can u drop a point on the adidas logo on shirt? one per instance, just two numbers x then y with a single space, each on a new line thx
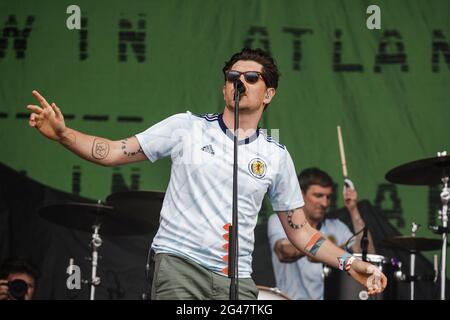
208 148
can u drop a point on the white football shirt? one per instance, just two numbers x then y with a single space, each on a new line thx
198 200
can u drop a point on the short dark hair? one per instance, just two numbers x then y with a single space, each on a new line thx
314 175
12 266
270 71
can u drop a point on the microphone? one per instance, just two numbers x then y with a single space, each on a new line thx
239 86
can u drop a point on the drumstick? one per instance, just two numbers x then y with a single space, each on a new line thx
342 152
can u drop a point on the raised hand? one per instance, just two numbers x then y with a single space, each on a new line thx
350 195
47 119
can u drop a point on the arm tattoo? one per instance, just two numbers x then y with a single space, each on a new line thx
314 243
292 224
100 149
129 153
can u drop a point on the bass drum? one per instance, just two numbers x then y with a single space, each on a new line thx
338 285
266 293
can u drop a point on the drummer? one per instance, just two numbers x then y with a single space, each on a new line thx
296 274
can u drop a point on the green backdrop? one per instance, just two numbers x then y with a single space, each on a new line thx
134 63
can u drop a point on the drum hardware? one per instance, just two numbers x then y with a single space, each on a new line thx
409 243
412 244
443 214
399 275
133 216
84 217
412 278
397 270
81 216
431 171
412 268
95 281
96 242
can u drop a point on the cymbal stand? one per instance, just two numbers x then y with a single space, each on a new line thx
96 242
414 228
443 215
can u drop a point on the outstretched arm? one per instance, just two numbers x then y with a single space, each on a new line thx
310 241
49 121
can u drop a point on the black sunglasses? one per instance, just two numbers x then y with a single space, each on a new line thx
250 76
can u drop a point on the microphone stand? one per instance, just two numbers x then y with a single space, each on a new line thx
233 248
148 276
364 244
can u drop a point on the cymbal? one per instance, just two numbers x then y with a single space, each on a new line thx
425 172
412 243
82 216
142 205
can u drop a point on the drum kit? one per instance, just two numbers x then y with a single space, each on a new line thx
123 214
426 172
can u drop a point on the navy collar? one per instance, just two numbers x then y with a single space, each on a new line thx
230 134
